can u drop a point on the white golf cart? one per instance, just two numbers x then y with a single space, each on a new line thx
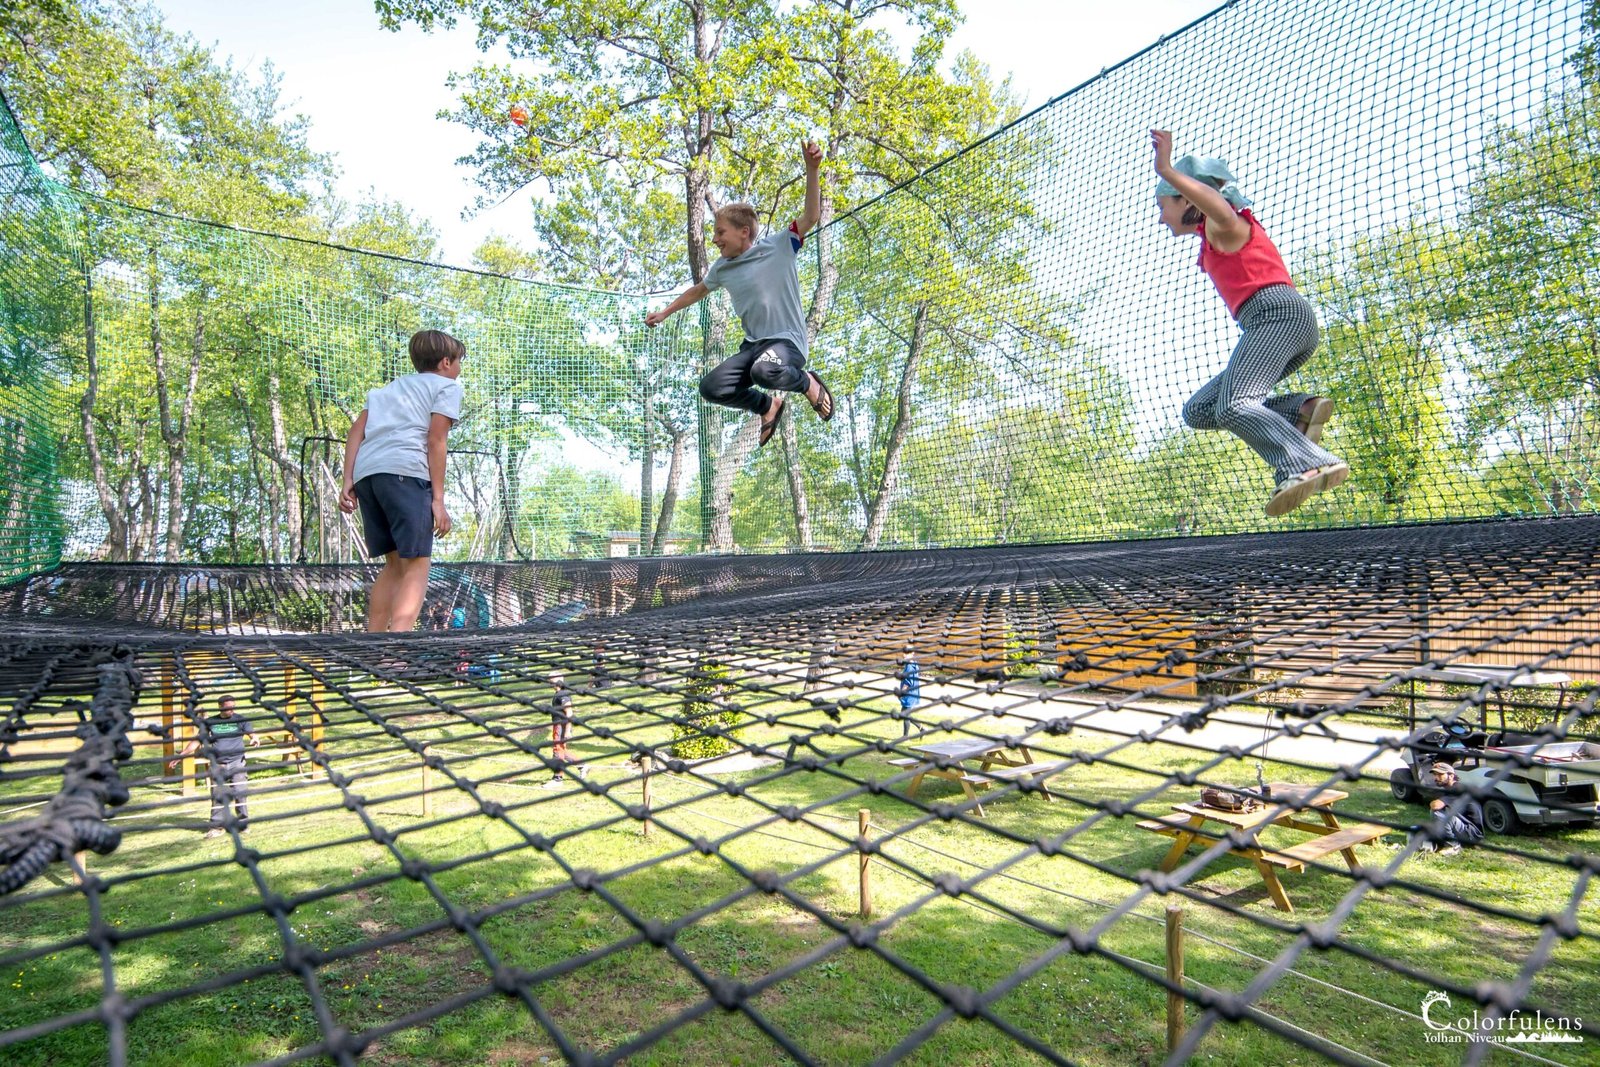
1519 778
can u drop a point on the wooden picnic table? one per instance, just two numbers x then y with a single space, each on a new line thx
999 761
1290 806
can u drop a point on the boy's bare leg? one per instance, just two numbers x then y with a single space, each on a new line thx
411 586
380 601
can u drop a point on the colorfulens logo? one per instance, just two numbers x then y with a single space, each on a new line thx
1516 1028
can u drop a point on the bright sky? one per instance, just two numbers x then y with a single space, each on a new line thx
372 95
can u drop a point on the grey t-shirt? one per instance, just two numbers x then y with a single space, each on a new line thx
398 415
764 286
227 734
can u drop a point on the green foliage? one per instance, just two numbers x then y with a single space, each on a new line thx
705 708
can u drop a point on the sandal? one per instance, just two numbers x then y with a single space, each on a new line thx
770 427
1316 411
823 404
1292 492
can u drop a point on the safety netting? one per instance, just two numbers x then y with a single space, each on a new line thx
765 839
1105 800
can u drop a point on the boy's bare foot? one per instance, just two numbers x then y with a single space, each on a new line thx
769 421
1314 413
819 396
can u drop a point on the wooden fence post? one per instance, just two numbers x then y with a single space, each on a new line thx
1175 1000
864 824
646 801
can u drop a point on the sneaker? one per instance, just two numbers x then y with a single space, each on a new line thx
581 770
1292 492
556 782
1313 414
1452 849
215 831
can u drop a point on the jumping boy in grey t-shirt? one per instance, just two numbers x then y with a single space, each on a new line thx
764 287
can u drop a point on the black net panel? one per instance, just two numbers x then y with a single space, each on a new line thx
413 883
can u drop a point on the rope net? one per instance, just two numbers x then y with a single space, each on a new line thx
414 883
842 807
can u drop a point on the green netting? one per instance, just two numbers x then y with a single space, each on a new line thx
39 303
1011 336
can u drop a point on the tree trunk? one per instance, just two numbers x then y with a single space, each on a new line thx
669 498
797 478
286 485
116 542
510 494
647 466
897 433
728 463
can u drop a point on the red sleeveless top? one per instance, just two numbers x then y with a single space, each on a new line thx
1240 275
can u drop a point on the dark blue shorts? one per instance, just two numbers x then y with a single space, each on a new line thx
396 515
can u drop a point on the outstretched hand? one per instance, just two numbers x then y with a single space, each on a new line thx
1161 141
656 318
813 154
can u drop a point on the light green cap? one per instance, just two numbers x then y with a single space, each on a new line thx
1207 169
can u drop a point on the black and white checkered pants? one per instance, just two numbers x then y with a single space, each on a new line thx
1279 333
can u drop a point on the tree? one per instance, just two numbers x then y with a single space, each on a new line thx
1531 307
1386 304
709 100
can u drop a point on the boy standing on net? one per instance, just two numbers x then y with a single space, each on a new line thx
763 284
394 471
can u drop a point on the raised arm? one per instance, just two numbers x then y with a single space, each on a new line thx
690 296
1225 229
813 210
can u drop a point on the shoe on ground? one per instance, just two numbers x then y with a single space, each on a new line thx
215 831
1292 492
1452 849
556 781
1314 414
581 771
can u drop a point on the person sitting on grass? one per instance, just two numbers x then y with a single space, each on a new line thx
1451 829
394 464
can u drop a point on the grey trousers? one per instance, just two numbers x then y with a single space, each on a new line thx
234 786
1278 334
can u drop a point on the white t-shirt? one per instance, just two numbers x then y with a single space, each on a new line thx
398 416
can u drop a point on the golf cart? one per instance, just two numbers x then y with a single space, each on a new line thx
1519 778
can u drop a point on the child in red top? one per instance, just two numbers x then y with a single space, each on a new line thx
1278 329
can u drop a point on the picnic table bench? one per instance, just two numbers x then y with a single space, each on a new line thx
1191 824
996 764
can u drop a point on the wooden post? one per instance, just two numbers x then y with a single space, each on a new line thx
864 824
646 801
427 791
179 732
1175 999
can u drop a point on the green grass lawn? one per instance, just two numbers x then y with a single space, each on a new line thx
190 920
